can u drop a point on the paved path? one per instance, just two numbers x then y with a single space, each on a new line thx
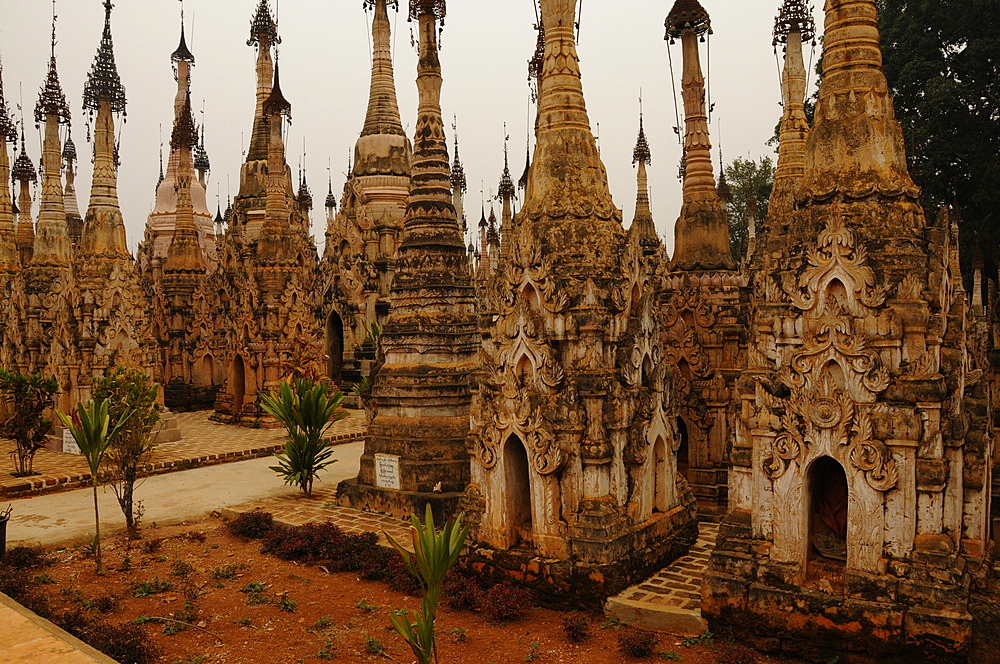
180 496
670 600
28 639
203 443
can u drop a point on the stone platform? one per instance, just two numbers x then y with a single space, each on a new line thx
670 600
26 638
203 443
297 510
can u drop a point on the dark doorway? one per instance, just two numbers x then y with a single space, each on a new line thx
239 385
335 348
517 490
828 510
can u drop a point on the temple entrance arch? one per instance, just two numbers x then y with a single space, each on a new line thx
205 375
238 380
517 492
335 347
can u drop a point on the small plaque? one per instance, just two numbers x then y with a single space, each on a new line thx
69 443
387 471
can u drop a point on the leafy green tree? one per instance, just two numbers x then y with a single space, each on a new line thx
26 397
434 553
306 409
93 433
750 184
129 391
942 59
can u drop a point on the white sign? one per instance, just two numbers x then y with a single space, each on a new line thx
387 471
69 443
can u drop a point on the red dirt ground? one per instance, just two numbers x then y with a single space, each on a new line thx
273 636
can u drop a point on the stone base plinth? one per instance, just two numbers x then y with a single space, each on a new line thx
351 493
575 583
872 618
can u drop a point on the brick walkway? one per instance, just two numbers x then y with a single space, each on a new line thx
296 510
202 443
670 600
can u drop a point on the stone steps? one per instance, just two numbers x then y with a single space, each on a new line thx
670 600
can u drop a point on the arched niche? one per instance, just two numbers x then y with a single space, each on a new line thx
517 493
335 347
238 380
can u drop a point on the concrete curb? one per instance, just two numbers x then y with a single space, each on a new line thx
42 484
36 635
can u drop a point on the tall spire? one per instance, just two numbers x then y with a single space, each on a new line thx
643 229
73 218
103 94
459 183
25 175
856 145
9 259
567 162
184 253
383 109
271 247
701 234
52 241
506 193
793 27
263 35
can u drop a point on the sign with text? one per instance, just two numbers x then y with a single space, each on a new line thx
387 471
69 443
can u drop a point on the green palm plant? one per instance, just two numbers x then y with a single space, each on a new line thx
306 409
434 553
93 433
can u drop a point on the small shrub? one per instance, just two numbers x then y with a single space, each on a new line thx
328 651
462 592
182 569
733 653
196 536
637 643
26 557
152 546
256 593
254 587
533 652
252 525
122 643
309 543
147 588
321 623
505 602
105 604
374 646
17 583
171 629
365 606
244 622
576 627
285 604
704 637
460 634
227 572
45 579
670 656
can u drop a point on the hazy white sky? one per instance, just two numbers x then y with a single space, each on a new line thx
325 64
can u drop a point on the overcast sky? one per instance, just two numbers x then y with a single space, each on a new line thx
325 65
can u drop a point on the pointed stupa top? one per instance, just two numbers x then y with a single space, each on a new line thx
69 149
24 169
523 181
641 152
687 14
383 109
305 194
331 198
51 99
506 187
276 103
8 130
263 26
201 160
856 145
103 83
458 179
492 236
183 53
184 134
795 16
219 219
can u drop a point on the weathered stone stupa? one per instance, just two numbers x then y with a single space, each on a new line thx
415 449
859 492
574 485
